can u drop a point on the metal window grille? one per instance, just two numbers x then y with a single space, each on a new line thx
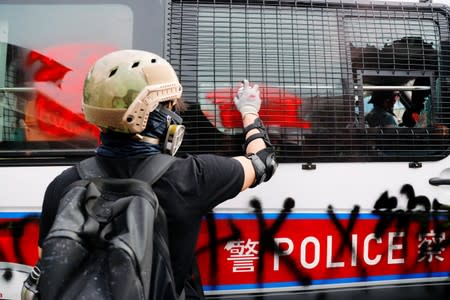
318 65
8 104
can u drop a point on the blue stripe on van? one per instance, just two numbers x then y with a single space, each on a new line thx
292 216
19 215
234 216
226 216
325 281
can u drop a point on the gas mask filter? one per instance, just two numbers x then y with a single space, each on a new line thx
175 131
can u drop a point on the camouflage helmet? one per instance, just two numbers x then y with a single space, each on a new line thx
123 87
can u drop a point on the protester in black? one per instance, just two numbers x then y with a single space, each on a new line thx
133 96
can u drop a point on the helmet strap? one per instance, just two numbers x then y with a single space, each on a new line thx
146 139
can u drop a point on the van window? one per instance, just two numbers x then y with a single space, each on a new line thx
45 53
318 65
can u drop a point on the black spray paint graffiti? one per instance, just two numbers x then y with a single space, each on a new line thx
16 230
266 239
345 234
214 243
418 210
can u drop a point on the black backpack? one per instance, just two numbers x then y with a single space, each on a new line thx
109 238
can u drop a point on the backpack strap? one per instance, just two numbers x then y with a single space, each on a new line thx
150 170
90 168
153 167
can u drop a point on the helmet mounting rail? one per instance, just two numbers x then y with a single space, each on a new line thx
148 99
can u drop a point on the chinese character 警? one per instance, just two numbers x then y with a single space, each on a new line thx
243 254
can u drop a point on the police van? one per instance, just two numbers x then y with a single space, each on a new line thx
353 211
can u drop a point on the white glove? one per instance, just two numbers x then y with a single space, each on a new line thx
247 100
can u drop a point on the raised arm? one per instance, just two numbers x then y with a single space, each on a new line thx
259 161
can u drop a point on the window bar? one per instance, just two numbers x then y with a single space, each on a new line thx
392 88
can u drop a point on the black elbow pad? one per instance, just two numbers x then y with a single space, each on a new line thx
264 163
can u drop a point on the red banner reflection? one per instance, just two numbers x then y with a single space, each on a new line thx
278 108
58 75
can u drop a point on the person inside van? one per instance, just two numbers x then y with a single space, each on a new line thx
382 113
